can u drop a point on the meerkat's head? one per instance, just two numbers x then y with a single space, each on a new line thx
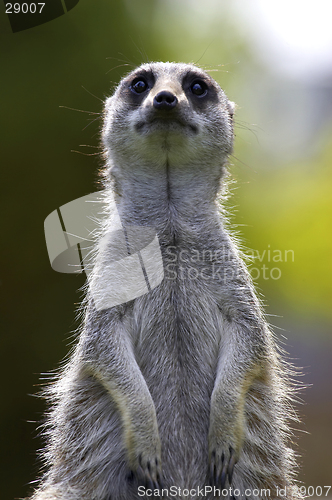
168 112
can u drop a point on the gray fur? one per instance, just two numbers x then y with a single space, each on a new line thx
165 386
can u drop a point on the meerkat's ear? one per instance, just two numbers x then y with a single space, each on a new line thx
231 108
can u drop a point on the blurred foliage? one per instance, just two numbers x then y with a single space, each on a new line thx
74 62
287 217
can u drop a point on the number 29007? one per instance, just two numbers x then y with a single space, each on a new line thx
24 8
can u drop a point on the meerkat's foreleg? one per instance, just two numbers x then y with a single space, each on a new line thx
117 370
236 372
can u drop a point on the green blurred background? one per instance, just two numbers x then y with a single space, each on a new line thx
281 203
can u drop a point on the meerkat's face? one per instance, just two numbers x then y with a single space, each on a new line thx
169 109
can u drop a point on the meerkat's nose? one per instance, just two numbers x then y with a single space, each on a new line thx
165 100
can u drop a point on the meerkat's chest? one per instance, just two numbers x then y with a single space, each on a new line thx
181 318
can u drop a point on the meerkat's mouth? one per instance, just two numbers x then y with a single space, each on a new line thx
164 123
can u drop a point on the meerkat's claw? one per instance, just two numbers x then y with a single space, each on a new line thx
221 468
213 471
231 463
159 483
223 476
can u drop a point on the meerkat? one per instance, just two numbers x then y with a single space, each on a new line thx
180 391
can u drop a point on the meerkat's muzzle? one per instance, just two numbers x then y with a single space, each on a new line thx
165 101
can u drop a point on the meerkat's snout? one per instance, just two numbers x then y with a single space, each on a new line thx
165 100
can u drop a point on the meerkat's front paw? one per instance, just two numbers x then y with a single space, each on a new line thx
221 467
147 468
149 472
225 442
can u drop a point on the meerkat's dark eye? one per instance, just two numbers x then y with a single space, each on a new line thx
199 88
139 85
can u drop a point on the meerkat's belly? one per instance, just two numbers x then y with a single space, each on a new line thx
177 345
